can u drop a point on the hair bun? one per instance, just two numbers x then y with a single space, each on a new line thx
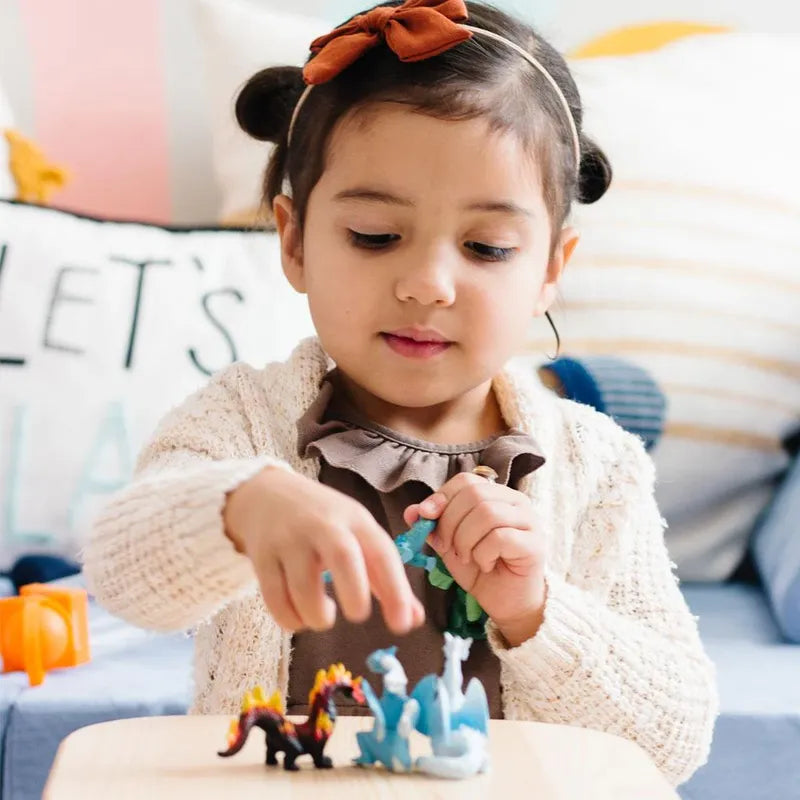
595 173
265 103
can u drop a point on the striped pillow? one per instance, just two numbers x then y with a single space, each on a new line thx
689 267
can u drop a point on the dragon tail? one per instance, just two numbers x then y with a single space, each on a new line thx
468 756
240 728
238 733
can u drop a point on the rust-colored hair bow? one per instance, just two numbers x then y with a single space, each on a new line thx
416 30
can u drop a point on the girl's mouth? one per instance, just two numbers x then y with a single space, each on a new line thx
414 348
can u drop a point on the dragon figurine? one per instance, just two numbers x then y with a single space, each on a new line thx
395 716
409 545
294 739
457 722
458 751
466 617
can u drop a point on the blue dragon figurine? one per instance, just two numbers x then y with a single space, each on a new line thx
395 715
466 617
409 545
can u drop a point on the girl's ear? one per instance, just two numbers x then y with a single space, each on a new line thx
291 242
567 241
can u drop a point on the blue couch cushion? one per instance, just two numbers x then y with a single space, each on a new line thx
776 551
11 687
132 673
756 747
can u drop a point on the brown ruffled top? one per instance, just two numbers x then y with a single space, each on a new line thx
387 471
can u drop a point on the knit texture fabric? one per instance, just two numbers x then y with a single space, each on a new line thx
623 390
618 649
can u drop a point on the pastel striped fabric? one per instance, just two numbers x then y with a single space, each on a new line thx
690 267
86 79
116 91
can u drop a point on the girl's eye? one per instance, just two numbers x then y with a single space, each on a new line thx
371 241
487 252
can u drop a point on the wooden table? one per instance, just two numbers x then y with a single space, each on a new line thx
175 757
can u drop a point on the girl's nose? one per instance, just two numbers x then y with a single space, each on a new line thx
429 280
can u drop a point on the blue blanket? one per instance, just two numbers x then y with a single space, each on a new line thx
132 673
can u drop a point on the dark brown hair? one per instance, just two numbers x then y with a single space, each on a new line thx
477 78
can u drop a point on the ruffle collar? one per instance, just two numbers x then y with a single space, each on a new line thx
334 431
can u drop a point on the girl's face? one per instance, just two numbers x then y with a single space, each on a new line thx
426 252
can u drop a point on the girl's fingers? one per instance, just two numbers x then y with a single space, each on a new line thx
517 548
345 560
468 493
387 578
275 592
483 518
411 514
417 614
433 506
307 591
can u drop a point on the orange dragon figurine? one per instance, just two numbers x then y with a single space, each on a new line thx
294 739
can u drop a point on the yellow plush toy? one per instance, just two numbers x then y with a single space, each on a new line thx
35 176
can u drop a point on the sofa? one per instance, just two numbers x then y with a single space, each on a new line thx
758 729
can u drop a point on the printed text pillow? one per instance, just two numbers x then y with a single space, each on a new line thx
103 327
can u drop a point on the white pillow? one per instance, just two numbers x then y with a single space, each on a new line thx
96 375
690 266
8 187
238 39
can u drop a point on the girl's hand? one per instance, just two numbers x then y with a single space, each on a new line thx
293 528
487 538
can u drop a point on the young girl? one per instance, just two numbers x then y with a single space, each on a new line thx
420 186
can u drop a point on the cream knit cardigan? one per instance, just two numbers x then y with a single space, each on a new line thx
618 650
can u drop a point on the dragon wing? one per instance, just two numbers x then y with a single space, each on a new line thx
425 694
375 707
475 711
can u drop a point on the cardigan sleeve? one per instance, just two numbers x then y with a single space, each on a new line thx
618 649
157 555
